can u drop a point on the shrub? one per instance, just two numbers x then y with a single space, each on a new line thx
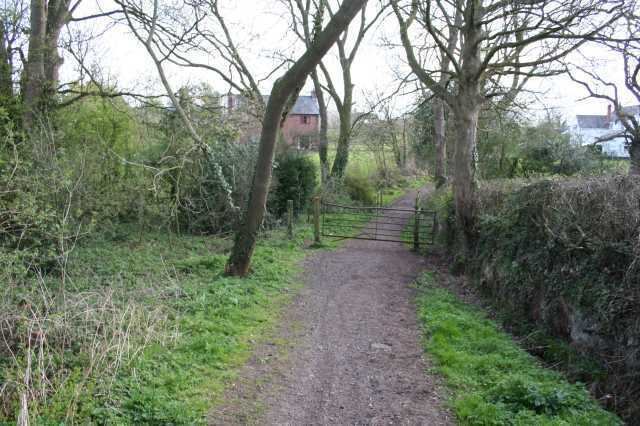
209 189
360 189
203 190
295 178
441 202
508 149
40 218
97 144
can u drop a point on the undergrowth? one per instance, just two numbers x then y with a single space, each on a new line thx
219 318
493 381
161 347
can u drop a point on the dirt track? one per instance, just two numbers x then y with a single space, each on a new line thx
355 356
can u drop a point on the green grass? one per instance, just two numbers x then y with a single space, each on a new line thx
390 195
362 161
219 317
212 322
493 381
363 165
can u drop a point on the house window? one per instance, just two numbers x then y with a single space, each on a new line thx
304 119
304 142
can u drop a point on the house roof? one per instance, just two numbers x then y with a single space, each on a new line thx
633 110
602 121
306 105
593 121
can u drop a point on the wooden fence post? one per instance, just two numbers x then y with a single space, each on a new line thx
416 226
290 218
316 219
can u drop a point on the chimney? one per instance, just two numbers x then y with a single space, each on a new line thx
609 113
313 94
230 102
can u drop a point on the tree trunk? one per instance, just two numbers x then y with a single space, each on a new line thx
466 109
439 105
43 62
344 109
464 170
35 75
397 153
323 147
6 84
240 260
404 143
52 58
440 124
634 158
342 150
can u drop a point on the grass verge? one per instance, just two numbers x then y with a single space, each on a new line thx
493 381
193 328
392 194
219 319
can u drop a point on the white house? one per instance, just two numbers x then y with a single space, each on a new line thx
591 128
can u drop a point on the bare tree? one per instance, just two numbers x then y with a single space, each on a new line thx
627 47
498 40
196 34
31 37
384 129
439 106
286 88
307 17
181 35
12 46
344 104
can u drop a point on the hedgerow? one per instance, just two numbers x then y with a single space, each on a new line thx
564 255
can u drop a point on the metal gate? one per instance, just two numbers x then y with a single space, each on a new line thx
410 226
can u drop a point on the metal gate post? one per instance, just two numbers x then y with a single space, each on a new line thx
290 218
416 226
316 219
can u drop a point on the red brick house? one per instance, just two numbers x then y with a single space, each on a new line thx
300 129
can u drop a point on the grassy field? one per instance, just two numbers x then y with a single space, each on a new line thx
492 380
362 161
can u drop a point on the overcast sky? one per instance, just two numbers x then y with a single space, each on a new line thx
261 27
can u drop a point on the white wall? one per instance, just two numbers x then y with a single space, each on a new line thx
613 148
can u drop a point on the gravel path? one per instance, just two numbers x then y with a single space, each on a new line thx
355 356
